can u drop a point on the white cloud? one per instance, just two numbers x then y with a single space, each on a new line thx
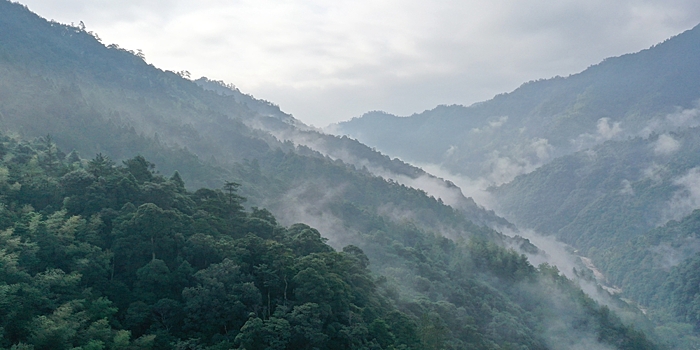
607 131
327 61
666 145
627 188
542 149
524 159
498 123
686 199
451 151
654 172
683 118
477 189
568 262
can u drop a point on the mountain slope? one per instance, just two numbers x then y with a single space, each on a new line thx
115 253
604 196
91 91
454 278
629 205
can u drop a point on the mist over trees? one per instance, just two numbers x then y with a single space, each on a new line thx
605 161
190 215
100 255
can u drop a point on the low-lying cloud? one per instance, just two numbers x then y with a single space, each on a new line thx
453 192
627 188
681 119
308 203
655 172
474 188
605 130
502 168
666 145
686 199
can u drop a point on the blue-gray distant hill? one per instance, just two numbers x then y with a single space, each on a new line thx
516 132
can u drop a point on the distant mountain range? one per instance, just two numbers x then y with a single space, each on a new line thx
654 90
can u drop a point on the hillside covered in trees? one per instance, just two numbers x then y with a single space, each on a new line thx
100 256
107 253
631 206
605 161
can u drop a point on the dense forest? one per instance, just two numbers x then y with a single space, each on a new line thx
631 206
100 256
120 257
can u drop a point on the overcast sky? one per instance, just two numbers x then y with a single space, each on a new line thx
326 61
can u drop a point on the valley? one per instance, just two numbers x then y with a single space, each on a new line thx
612 174
142 209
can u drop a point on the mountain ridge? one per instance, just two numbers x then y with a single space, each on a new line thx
544 119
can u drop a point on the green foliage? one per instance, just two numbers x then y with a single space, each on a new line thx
126 267
197 271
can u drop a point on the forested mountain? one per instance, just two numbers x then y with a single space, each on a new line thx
609 192
611 163
96 255
99 256
654 90
614 202
61 80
